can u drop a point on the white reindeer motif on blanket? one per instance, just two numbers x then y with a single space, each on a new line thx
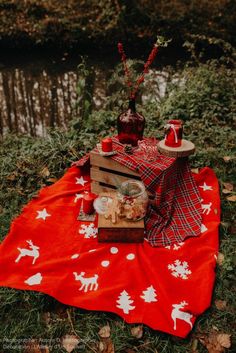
181 315
89 283
32 252
206 208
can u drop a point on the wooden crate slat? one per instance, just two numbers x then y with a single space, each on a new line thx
105 162
107 177
97 188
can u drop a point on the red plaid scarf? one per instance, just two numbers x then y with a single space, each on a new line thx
175 214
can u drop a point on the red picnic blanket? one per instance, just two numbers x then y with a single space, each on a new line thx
175 213
50 251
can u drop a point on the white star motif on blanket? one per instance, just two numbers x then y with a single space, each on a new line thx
180 269
42 214
89 231
205 187
80 181
77 197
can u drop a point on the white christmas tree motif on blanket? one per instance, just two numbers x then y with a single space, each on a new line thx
124 302
89 231
87 283
176 246
149 295
180 269
35 279
32 252
181 315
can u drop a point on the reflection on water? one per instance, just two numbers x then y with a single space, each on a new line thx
38 94
30 104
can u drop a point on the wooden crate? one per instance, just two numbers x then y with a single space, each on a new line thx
120 232
106 173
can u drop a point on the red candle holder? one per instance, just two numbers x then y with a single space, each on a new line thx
173 133
107 145
88 200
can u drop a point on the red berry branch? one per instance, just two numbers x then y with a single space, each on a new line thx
123 58
133 92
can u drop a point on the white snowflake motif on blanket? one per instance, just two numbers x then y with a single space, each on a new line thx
89 231
180 269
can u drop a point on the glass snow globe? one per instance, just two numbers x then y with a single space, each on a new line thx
132 200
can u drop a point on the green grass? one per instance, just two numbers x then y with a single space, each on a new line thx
30 315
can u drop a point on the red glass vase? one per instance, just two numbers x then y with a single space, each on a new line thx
130 125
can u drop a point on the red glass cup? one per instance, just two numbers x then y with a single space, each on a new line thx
88 200
107 145
173 133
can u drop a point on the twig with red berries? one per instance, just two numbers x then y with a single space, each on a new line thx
161 42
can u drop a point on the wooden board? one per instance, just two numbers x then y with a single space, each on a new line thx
121 232
186 149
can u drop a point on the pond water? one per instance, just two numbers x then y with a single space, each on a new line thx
37 92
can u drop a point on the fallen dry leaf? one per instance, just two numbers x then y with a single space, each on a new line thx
220 304
137 331
226 158
194 346
44 172
69 342
224 340
33 346
225 191
105 331
216 342
231 198
52 180
106 346
228 186
220 259
12 176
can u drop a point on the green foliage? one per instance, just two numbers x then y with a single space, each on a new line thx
207 92
102 23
